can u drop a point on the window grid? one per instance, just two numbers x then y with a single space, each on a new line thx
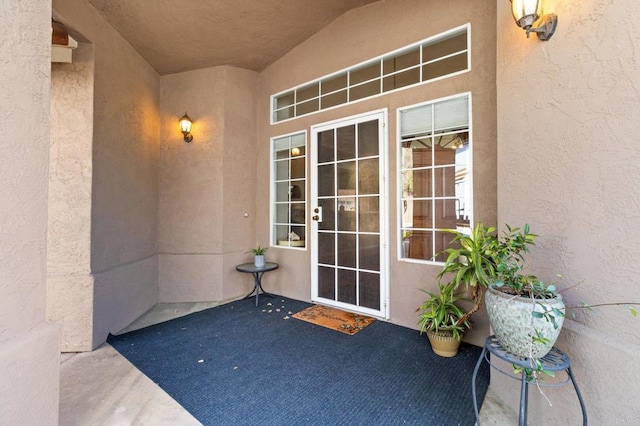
281 113
436 198
289 193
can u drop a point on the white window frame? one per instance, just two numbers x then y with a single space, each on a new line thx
399 141
273 183
430 40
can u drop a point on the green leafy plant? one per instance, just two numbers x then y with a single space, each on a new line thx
440 312
258 251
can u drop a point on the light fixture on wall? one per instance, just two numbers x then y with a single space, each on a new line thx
527 12
185 127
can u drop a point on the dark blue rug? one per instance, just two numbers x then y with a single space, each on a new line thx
241 365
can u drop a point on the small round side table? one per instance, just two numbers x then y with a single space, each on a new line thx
257 272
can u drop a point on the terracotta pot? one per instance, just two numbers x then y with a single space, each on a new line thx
514 325
443 343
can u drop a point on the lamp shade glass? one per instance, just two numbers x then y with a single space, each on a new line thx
185 124
526 12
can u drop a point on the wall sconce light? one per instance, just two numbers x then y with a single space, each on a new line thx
185 127
527 12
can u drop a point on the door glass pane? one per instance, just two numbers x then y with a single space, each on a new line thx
325 181
369 290
326 248
347 286
346 142
328 214
368 177
325 146
326 282
347 178
347 214
369 214
346 250
369 252
368 138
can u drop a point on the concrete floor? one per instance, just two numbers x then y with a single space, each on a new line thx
103 388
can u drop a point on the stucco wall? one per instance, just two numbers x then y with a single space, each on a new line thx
69 281
206 186
29 358
355 37
567 165
124 195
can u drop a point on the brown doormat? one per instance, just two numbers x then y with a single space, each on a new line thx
335 319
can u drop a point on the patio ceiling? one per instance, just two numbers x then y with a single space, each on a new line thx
181 35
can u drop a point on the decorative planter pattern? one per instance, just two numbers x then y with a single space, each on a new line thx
443 343
514 325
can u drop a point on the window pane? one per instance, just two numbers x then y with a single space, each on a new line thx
282 191
444 67
284 100
445 47
308 107
333 99
334 83
283 114
402 79
297 190
282 170
422 217
298 214
365 73
402 61
422 183
421 245
298 168
307 92
445 179
364 90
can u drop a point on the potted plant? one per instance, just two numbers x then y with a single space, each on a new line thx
443 320
486 262
258 253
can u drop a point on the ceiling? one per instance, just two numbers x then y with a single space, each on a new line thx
181 35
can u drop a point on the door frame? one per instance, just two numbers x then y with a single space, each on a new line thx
383 116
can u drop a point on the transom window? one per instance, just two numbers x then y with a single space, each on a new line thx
434 153
440 56
289 190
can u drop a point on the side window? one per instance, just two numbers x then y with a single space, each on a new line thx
289 190
434 155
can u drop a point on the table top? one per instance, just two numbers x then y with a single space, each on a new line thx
252 268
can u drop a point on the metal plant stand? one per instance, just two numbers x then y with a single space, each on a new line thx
554 361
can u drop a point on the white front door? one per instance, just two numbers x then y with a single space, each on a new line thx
348 203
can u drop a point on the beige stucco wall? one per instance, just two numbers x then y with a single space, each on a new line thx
29 358
567 164
124 190
206 186
69 281
355 37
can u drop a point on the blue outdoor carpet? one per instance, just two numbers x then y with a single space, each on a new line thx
236 364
